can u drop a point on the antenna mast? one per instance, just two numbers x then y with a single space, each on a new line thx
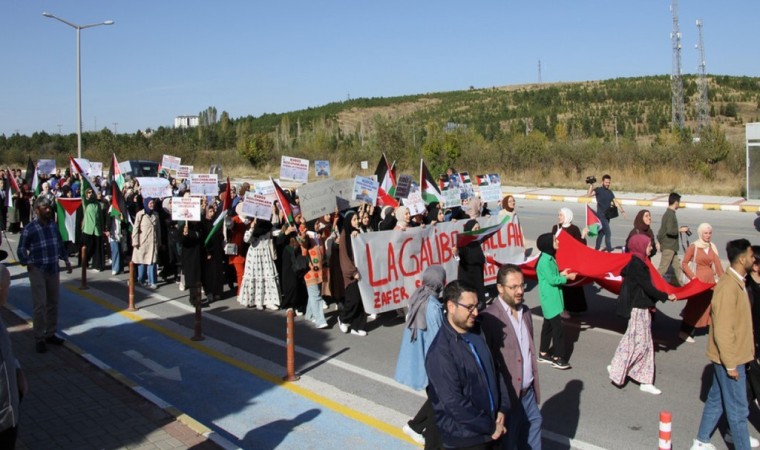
703 103
539 71
676 83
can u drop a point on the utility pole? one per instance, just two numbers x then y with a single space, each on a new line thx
676 83
703 103
539 71
114 127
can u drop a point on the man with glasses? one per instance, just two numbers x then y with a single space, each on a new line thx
507 325
468 394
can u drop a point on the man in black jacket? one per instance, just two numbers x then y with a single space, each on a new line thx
468 395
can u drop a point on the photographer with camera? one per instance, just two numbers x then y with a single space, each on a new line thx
668 236
606 208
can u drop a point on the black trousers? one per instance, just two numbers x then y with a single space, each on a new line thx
8 438
94 251
353 310
424 424
553 337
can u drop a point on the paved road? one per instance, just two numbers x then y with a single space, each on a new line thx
346 395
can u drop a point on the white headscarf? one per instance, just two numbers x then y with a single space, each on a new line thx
568 214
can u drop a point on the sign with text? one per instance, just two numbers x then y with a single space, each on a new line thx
46 166
154 187
169 162
96 169
395 260
186 209
489 186
344 190
451 198
322 168
257 206
403 184
294 169
204 184
84 164
265 188
184 171
365 190
465 187
364 165
317 199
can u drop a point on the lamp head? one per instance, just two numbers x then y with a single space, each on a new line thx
108 22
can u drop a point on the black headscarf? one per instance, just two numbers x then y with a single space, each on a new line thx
545 243
432 212
470 224
348 230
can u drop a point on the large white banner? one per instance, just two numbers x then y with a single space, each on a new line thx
391 263
154 187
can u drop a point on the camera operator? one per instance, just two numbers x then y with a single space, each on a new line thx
605 199
667 236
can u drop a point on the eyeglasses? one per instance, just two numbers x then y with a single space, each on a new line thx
469 308
516 287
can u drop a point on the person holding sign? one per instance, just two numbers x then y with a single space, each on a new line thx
213 257
260 288
191 239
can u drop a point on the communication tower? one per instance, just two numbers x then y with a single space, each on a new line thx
539 71
703 103
676 83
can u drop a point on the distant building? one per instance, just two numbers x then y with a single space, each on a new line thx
185 121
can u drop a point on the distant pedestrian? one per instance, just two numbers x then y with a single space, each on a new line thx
605 199
467 392
730 346
668 237
39 249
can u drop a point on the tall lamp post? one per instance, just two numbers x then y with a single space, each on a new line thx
79 28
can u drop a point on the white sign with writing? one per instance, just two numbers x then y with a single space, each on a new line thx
204 184
169 162
186 209
154 187
46 166
365 190
294 169
96 169
184 171
257 206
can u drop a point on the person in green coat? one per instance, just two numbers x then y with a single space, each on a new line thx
550 282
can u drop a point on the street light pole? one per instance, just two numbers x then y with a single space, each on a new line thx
79 28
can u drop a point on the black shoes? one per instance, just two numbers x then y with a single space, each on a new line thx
55 340
40 346
560 363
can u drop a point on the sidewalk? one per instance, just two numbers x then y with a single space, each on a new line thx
72 404
709 202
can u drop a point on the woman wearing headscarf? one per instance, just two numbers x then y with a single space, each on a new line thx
387 219
422 323
634 356
434 214
192 260
550 282
236 227
146 238
352 315
472 260
574 296
402 218
214 277
507 206
260 287
642 224
696 313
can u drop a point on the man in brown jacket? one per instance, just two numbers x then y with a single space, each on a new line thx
508 328
729 347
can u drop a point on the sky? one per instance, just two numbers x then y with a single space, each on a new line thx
167 58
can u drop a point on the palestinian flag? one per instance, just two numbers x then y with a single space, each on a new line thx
14 189
118 204
31 177
467 237
219 222
592 222
288 208
387 180
86 181
428 186
67 217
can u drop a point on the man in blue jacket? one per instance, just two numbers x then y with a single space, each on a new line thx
468 395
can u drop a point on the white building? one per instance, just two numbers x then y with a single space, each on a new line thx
185 121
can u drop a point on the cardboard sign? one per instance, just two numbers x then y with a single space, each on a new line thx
403 184
46 166
169 162
154 187
365 190
317 199
322 168
204 184
257 206
184 171
294 169
96 169
186 209
344 190
84 164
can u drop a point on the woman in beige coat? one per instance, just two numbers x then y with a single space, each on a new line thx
146 237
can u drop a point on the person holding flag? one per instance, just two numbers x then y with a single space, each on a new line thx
574 296
472 260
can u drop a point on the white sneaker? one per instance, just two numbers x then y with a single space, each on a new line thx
324 325
697 445
416 437
325 306
371 317
754 443
299 313
650 389
686 337
343 327
359 332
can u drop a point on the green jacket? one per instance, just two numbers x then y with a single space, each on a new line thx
92 222
668 233
550 284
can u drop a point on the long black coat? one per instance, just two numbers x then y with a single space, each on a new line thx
472 260
191 253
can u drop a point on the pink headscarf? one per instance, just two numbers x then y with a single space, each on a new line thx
637 245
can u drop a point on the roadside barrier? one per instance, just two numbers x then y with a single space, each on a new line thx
83 263
290 348
132 277
665 429
195 299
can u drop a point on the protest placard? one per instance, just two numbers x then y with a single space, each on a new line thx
403 184
414 200
294 169
186 209
344 190
204 184
365 190
46 166
451 198
169 162
257 206
184 171
322 168
96 169
465 186
489 187
84 164
154 187
317 199
265 188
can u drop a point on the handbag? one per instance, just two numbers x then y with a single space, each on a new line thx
611 212
230 249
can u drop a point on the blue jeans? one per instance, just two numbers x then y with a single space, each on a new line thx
524 427
729 396
151 269
314 306
115 256
605 231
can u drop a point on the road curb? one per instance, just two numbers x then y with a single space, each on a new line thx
636 202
